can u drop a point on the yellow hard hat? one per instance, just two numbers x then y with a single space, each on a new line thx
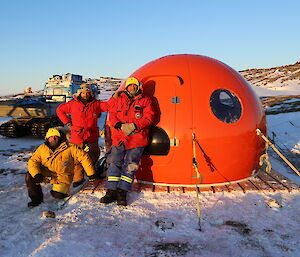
132 80
52 132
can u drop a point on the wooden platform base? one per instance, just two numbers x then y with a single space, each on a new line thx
263 181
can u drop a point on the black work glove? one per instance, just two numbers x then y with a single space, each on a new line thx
38 178
118 125
94 177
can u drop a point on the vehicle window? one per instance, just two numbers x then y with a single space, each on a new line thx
57 91
49 91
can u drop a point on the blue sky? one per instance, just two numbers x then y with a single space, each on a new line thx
114 38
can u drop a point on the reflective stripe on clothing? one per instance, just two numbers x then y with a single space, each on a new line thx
123 164
112 178
127 179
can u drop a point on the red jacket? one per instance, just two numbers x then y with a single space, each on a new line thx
138 110
84 118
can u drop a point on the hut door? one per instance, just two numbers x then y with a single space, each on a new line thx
162 89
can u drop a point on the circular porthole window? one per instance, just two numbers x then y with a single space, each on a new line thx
225 106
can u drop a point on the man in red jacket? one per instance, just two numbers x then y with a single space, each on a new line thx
83 123
130 117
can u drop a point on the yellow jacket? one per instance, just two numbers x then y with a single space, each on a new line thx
58 166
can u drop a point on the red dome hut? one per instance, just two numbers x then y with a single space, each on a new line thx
202 98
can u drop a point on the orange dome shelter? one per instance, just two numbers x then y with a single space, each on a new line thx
202 98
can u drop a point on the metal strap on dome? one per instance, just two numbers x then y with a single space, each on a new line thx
259 133
198 177
265 158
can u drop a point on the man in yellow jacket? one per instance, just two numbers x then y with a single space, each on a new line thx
53 162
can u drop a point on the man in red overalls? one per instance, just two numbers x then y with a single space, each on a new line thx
83 123
130 117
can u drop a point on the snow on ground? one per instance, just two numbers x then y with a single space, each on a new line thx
284 129
277 89
290 89
154 224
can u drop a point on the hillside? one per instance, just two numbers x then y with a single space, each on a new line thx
282 80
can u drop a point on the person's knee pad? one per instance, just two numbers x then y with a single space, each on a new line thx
132 168
58 195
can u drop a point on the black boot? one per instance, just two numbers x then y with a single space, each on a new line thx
110 196
33 204
34 191
58 195
78 183
121 199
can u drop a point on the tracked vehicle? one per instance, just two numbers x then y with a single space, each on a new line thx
35 114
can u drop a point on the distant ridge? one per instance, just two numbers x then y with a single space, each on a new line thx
280 76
